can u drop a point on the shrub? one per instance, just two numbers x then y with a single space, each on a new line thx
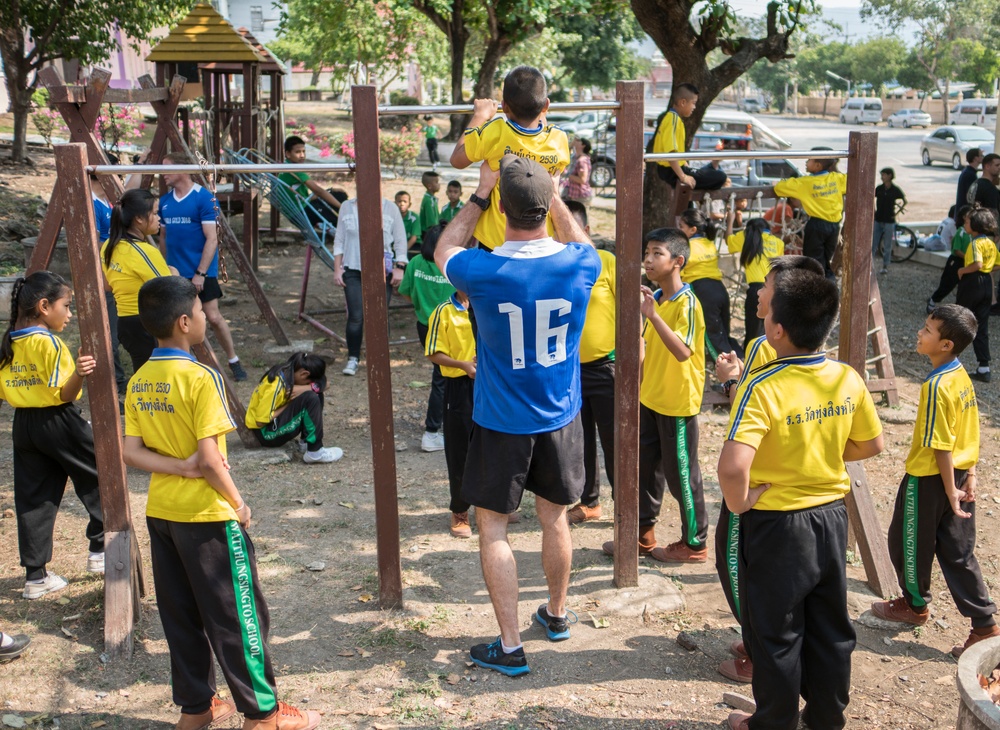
46 120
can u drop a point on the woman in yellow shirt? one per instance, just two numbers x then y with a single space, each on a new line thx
702 272
756 247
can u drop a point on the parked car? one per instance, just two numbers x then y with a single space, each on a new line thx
949 144
977 112
907 118
750 106
583 125
861 111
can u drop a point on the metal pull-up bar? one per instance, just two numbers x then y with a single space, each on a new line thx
751 155
561 106
195 169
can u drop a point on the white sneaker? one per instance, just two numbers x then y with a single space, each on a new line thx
49 584
326 455
432 441
351 368
95 563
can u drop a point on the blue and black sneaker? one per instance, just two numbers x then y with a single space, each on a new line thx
492 656
556 628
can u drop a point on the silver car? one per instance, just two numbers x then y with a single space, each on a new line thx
907 118
949 144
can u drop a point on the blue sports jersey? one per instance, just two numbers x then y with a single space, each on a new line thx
102 216
182 219
530 299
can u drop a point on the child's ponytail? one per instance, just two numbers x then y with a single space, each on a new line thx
753 241
24 300
313 364
133 204
6 344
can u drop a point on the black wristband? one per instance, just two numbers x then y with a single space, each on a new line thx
728 385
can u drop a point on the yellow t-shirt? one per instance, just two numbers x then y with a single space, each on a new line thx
547 146
798 413
41 366
268 396
947 420
670 137
759 353
449 332
982 249
758 268
670 387
133 263
821 195
598 338
703 263
173 402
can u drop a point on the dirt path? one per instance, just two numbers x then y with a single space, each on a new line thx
336 652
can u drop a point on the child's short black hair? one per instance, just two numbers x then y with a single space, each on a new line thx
579 211
430 241
888 171
452 184
982 221
162 301
400 194
961 215
955 323
781 264
686 91
828 165
429 175
525 94
293 141
805 305
673 239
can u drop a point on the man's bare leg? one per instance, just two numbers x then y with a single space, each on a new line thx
499 571
220 327
557 552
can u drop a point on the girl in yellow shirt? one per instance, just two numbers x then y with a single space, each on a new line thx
52 441
756 247
975 286
702 272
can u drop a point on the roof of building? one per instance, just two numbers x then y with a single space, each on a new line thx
204 36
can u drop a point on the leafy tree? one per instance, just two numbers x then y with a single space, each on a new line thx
877 61
946 33
687 33
981 65
594 50
67 29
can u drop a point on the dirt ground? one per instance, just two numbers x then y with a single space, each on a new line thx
336 652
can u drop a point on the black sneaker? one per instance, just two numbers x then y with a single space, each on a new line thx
557 629
981 377
492 656
239 374
14 650
931 304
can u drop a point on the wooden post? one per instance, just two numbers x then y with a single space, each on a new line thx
856 283
120 578
376 311
628 253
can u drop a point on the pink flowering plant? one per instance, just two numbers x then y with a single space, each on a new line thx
118 123
399 150
47 120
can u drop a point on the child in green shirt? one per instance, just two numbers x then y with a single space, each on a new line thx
430 216
454 193
431 137
959 243
411 223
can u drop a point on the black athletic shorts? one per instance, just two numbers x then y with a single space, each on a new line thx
210 290
500 466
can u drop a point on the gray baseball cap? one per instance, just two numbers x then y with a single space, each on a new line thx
525 189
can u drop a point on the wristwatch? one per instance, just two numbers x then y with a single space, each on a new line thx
483 203
728 385
399 265
200 273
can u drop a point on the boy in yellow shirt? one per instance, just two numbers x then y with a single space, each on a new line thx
935 506
671 136
524 133
204 568
821 194
793 523
673 381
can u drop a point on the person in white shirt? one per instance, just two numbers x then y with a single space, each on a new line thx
347 267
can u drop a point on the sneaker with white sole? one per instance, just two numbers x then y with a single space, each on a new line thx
351 368
326 455
431 441
95 563
49 584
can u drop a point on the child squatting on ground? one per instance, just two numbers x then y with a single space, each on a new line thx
288 403
936 501
52 441
204 566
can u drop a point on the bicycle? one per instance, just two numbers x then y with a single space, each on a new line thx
905 241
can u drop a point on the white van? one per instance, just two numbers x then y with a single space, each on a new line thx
977 112
861 111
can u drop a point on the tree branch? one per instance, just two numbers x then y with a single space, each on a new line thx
43 40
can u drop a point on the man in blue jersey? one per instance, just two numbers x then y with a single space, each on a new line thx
530 296
189 241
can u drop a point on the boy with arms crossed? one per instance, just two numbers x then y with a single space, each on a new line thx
793 523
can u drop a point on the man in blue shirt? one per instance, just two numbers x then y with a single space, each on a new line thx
530 297
189 241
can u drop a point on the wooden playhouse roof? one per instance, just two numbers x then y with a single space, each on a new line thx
204 36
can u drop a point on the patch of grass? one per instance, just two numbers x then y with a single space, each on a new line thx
384 637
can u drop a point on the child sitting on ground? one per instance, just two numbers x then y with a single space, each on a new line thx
523 133
411 223
204 567
756 247
288 402
52 441
975 285
425 286
454 204
793 523
936 500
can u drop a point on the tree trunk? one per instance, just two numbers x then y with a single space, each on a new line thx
496 49
946 100
20 104
314 79
459 36
16 76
